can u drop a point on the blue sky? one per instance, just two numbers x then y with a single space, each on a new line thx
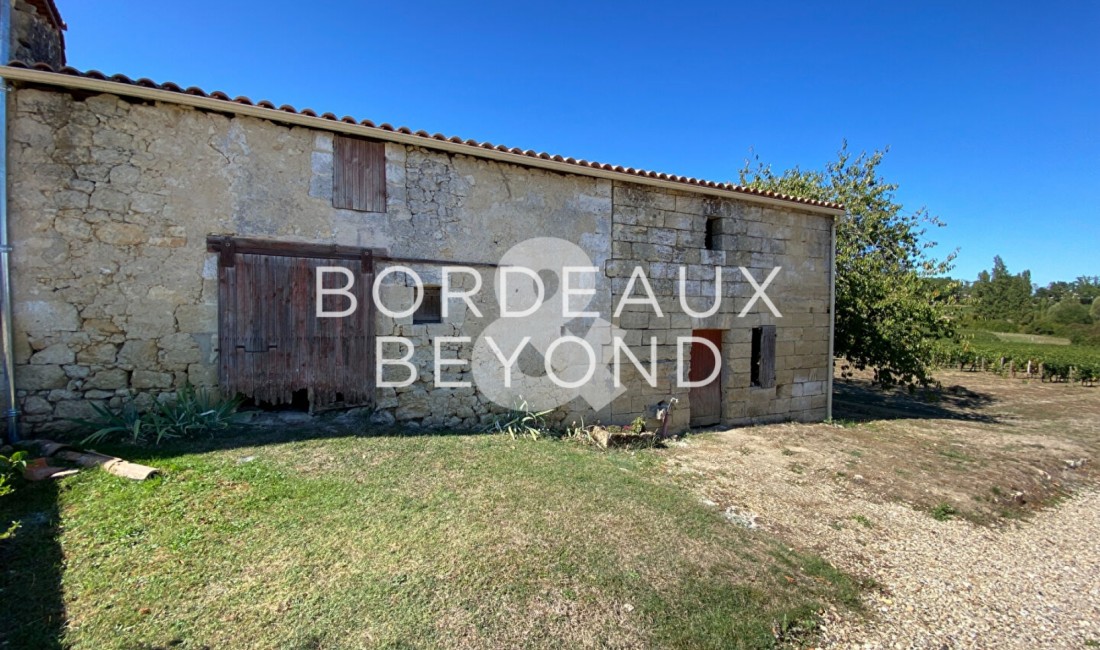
991 110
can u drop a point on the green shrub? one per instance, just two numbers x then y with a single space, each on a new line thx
10 467
1069 312
192 413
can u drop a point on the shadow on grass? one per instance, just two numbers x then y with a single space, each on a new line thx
30 569
859 400
32 605
261 433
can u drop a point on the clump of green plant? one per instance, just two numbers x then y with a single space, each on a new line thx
579 432
638 425
522 422
863 520
191 413
944 511
195 412
10 467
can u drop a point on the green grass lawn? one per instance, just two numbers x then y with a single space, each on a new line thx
394 542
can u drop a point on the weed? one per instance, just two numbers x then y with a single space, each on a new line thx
863 521
943 512
522 422
787 452
10 466
797 468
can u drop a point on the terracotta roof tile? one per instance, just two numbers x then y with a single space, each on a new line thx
629 171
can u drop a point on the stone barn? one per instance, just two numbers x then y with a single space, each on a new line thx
161 235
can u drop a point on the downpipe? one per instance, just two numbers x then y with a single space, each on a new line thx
11 411
832 323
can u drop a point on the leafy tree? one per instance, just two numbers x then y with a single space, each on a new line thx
1095 311
1000 295
1069 312
889 307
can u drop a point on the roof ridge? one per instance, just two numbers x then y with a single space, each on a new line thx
473 144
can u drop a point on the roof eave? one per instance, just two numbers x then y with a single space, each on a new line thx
149 92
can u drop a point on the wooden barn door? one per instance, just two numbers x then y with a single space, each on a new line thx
273 346
706 401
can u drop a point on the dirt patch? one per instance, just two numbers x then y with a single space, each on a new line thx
863 493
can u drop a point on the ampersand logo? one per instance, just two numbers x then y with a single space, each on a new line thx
546 349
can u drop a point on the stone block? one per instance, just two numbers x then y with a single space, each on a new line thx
138 354
56 354
75 409
40 377
109 200
40 316
35 405
108 379
146 379
99 353
197 319
154 321
120 234
202 375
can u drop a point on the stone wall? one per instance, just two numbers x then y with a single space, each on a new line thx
116 296
662 231
35 39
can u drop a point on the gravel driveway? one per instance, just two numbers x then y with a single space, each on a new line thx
956 585
936 584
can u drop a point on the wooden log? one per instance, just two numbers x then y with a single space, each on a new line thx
115 466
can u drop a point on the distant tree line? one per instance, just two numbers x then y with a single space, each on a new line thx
1002 301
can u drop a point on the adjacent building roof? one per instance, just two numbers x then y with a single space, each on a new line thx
174 93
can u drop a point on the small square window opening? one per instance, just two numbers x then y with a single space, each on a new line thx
710 240
431 307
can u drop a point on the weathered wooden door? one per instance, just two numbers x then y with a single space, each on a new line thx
706 400
273 345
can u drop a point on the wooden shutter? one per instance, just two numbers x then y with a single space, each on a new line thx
767 356
358 174
271 344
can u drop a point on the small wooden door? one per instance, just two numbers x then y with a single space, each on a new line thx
706 401
273 346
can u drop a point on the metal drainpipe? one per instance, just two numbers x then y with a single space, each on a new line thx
832 321
11 413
